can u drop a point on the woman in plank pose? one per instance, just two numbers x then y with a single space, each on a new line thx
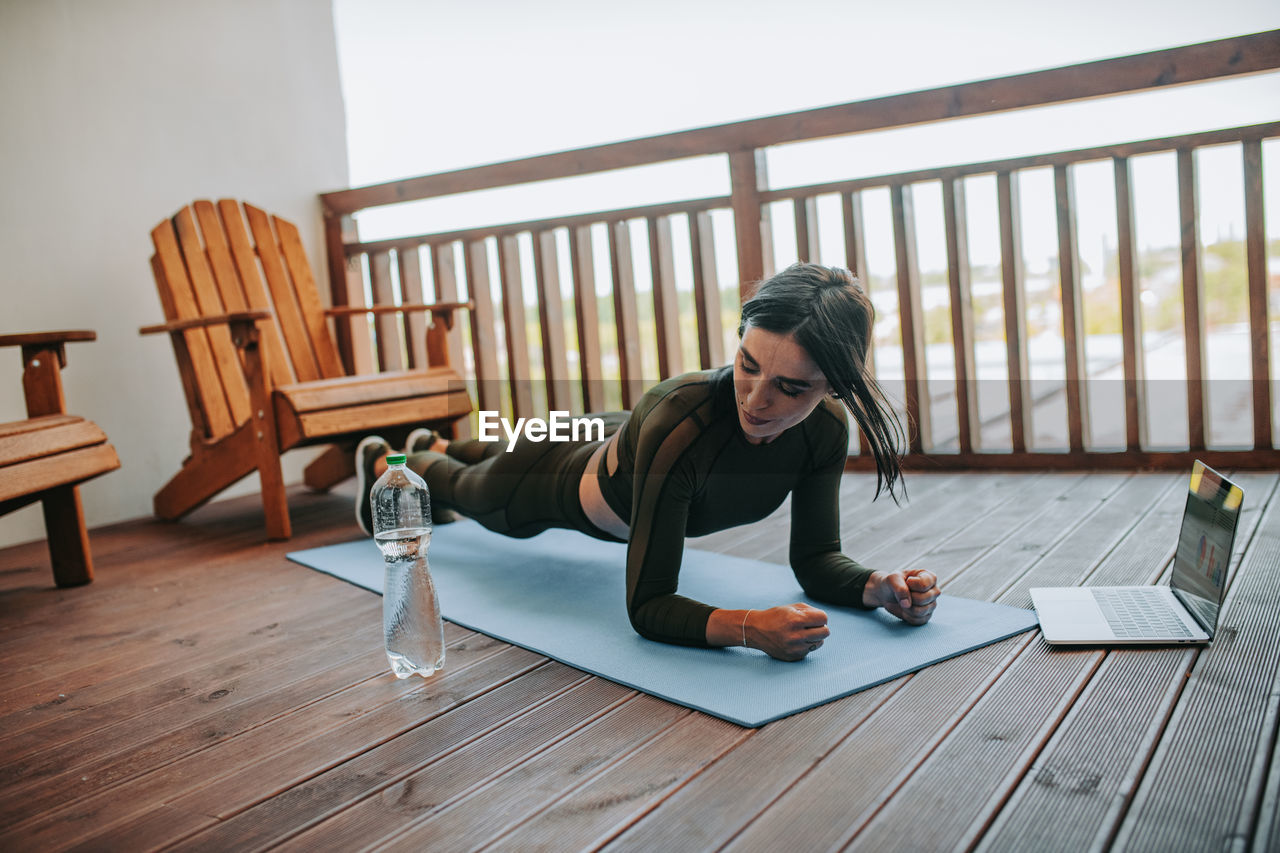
703 452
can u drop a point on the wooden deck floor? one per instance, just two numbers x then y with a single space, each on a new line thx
205 693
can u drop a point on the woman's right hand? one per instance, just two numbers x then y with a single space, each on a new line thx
788 632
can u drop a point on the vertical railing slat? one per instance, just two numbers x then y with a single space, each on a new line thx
1192 301
555 362
587 315
346 287
855 258
666 309
748 175
1072 309
1135 383
513 321
1015 315
624 312
1256 252
955 220
910 318
806 216
483 324
706 290
387 326
414 322
445 344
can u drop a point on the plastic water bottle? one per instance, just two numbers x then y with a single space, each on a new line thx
411 623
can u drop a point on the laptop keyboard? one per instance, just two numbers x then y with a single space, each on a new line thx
1138 613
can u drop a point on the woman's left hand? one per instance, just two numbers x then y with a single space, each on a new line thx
911 595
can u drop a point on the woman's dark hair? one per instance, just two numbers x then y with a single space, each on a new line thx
828 313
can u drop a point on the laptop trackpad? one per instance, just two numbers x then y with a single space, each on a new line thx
1070 613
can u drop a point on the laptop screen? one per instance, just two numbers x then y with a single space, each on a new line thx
1204 545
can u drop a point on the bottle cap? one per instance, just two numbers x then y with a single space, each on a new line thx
396 459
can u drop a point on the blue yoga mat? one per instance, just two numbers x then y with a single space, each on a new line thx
562 594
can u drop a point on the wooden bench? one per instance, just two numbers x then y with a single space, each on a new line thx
45 457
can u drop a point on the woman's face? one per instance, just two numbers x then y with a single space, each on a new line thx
775 382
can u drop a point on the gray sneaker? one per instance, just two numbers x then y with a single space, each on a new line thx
370 449
419 440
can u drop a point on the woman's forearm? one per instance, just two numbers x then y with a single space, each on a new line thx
728 627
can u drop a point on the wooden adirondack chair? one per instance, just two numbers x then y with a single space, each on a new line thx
260 367
45 457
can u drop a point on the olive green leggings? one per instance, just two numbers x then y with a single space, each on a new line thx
518 493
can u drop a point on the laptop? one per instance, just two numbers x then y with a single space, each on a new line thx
1186 611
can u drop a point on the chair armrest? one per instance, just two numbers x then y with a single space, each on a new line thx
233 318
45 338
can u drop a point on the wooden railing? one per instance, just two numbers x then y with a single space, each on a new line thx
553 375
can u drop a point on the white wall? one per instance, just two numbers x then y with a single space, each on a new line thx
114 115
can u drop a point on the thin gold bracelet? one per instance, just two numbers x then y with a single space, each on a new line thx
744 627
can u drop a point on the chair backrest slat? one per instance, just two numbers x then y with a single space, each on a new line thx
292 325
179 303
210 302
227 216
304 286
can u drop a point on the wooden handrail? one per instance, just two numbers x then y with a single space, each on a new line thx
1213 60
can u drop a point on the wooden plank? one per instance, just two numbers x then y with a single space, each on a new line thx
37 424
387 327
42 392
854 185
526 789
483 324
1090 461
293 326
1015 310
1095 757
748 175
190 710
417 772
911 320
1222 732
806 220
228 221
855 255
587 815
513 322
1192 301
46 436
587 316
555 363
955 221
49 472
444 271
346 288
218 254
624 313
308 296
666 306
706 291
346 422
1256 254
1073 340
207 301
282 753
414 323
1228 57
1135 382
